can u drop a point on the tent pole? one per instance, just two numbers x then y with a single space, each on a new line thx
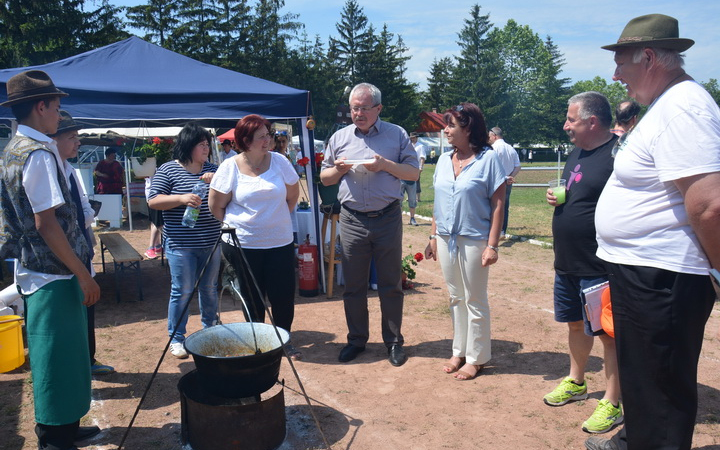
127 193
307 143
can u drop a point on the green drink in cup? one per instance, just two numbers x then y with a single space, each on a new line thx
557 187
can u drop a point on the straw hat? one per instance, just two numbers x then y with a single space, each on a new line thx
67 123
30 85
652 30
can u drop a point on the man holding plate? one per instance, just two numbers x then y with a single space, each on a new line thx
368 159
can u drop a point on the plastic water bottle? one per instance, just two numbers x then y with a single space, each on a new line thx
191 214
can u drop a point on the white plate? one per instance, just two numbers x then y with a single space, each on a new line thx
359 161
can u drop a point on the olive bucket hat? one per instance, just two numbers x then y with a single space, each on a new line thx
67 123
652 30
30 85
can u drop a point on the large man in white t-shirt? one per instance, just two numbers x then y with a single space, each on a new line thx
657 229
511 165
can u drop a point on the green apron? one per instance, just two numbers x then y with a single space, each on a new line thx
56 324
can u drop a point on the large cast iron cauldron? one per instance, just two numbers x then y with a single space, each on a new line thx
228 361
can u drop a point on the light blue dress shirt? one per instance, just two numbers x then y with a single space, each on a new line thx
462 204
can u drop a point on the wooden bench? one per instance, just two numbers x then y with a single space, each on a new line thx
124 257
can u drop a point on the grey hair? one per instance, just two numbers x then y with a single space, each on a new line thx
666 58
593 103
369 88
497 132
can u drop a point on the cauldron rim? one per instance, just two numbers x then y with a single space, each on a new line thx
260 328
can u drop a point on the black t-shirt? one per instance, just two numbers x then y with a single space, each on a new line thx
573 227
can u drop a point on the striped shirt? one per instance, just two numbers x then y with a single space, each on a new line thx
172 179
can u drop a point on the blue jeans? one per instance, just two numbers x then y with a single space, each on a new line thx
185 267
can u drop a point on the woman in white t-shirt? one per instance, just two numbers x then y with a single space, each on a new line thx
254 192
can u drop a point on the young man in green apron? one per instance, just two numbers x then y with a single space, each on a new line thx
40 229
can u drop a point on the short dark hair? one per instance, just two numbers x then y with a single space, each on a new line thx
246 128
110 151
22 110
191 135
469 115
593 103
623 114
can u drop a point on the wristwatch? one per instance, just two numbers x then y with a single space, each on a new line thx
494 248
433 236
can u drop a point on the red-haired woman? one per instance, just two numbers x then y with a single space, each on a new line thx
254 192
467 219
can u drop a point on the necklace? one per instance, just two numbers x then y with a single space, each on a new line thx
253 166
462 162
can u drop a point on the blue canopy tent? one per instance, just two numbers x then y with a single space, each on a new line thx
135 83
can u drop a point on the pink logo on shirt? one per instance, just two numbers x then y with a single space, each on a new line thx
575 176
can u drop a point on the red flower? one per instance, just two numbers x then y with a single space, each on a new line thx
303 161
319 157
156 140
418 256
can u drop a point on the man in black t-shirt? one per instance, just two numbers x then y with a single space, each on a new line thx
576 266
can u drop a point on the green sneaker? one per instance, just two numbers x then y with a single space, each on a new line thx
604 419
566 391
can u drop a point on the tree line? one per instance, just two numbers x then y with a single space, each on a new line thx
512 73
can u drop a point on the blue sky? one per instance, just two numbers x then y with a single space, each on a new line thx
429 28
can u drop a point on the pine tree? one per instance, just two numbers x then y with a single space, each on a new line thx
195 34
157 18
385 67
38 32
103 26
477 76
354 41
272 35
233 34
439 95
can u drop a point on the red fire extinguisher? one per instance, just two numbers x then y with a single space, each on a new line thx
308 268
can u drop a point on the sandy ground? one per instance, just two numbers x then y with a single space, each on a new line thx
366 404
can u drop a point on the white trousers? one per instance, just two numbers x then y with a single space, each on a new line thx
467 280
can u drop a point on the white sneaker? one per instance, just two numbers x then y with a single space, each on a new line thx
178 350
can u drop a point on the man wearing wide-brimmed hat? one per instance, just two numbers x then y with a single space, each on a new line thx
656 224
40 229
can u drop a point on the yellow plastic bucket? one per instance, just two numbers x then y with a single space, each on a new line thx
12 352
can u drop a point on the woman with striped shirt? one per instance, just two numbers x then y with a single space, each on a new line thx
187 249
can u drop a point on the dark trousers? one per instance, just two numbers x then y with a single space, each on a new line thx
508 189
274 271
56 437
659 319
364 238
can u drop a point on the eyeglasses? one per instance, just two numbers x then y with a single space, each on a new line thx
459 108
281 133
357 109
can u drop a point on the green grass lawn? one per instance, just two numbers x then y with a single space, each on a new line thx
530 215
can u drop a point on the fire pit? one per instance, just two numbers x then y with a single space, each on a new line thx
237 359
210 422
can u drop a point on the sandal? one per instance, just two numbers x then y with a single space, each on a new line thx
449 367
468 377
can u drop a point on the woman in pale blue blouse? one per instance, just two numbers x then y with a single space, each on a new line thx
467 220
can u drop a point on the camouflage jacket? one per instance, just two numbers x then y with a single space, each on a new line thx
19 237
